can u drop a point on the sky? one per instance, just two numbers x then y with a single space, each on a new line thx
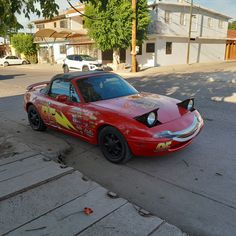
227 7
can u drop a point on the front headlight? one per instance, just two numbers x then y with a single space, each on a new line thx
151 119
190 105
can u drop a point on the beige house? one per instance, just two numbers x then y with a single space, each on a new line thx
56 49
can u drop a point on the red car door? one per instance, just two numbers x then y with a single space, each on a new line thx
65 110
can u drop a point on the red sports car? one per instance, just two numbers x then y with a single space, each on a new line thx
102 108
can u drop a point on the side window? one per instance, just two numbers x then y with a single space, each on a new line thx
150 47
74 97
8 57
70 57
60 87
168 48
77 58
167 17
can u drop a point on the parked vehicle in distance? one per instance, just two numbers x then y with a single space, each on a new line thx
80 63
12 60
103 108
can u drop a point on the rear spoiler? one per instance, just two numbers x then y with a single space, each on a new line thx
40 84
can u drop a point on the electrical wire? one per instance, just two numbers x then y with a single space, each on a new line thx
89 17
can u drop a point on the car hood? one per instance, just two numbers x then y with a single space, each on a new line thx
142 103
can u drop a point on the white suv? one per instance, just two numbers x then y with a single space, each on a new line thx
81 63
12 60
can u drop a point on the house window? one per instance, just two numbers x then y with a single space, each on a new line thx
62 49
194 22
209 22
168 48
64 24
40 26
182 19
55 24
167 17
221 24
150 47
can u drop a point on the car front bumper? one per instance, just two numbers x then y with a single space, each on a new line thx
167 141
95 67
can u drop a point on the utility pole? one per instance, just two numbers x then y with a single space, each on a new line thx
190 31
134 32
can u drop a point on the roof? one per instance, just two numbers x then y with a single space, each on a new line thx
58 33
77 74
195 6
71 10
59 17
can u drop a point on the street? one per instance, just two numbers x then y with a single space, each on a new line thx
193 189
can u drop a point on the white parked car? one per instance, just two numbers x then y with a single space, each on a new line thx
12 60
80 63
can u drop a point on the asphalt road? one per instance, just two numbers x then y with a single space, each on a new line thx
194 189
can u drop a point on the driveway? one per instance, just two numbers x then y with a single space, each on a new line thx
195 188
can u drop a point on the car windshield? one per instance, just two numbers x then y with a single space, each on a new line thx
87 58
104 87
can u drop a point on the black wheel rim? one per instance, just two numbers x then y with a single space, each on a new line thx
34 118
112 145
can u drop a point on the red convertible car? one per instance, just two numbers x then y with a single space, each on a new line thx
102 108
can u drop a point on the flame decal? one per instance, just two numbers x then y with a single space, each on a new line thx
63 121
60 118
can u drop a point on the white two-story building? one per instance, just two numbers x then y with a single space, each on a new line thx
169 30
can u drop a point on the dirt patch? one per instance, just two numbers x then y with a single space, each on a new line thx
6 148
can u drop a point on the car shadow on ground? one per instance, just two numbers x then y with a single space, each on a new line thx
7 77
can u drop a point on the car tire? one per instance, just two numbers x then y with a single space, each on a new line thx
85 68
24 62
6 63
66 69
114 145
35 120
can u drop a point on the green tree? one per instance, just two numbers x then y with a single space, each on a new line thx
24 43
232 25
9 8
30 27
111 26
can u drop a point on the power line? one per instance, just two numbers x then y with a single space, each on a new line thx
91 18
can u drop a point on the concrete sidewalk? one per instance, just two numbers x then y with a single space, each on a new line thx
41 197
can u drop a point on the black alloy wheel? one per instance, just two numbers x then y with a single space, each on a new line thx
35 120
113 145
